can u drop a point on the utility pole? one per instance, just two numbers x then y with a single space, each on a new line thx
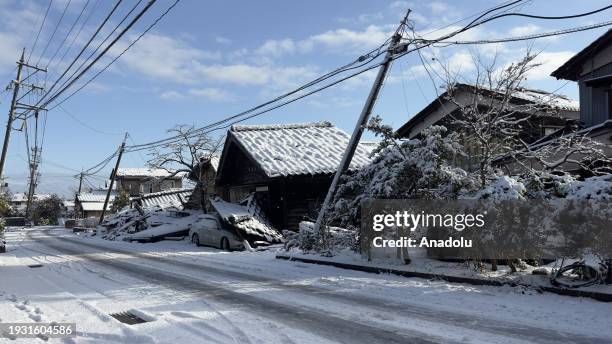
9 123
16 84
113 175
80 183
33 168
360 126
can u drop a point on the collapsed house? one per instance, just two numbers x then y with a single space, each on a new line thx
287 169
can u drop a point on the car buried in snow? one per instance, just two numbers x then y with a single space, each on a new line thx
209 230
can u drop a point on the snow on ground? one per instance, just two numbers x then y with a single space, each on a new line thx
420 263
203 295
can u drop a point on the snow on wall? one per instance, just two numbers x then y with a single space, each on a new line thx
298 149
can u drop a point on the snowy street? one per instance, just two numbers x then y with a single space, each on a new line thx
195 294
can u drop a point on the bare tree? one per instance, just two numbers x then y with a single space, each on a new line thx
489 118
186 153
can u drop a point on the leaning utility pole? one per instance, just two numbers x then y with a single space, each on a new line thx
361 124
112 178
16 84
9 123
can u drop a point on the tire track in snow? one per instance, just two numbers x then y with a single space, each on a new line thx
482 324
316 321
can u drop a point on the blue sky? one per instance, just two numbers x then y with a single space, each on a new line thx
210 59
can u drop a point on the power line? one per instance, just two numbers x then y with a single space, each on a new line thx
88 58
42 24
110 45
81 52
77 120
74 37
530 37
67 34
54 31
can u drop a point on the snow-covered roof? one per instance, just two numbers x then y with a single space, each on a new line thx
94 197
298 149
167 198
147 172
546 98
22 197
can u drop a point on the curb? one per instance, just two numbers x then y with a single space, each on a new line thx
603 297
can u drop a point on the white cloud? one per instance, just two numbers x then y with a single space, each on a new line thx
371 37
222 40
213 94
398 5
171 95
549 62
438 7
277 47
164 57
524 30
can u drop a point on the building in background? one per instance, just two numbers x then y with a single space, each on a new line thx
89 204
137 181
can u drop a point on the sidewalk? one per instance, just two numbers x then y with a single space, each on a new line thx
537 283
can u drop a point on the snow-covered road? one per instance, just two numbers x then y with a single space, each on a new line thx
193 295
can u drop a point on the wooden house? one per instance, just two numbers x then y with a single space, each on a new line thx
288 168
591 68
547 114
137 181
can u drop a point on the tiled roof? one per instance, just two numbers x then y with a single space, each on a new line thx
167 198
146 172
94 197
298 149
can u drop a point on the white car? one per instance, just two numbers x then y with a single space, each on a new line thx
208 230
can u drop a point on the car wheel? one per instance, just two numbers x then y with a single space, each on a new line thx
195 239
225 246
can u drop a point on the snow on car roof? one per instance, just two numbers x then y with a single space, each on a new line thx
298 149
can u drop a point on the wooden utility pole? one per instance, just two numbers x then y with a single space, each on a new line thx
359 127
9 123
80 183
33 168
17 83
112 178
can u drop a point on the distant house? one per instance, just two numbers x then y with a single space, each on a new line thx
548 112
89 204
288 168
136 181
19 201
